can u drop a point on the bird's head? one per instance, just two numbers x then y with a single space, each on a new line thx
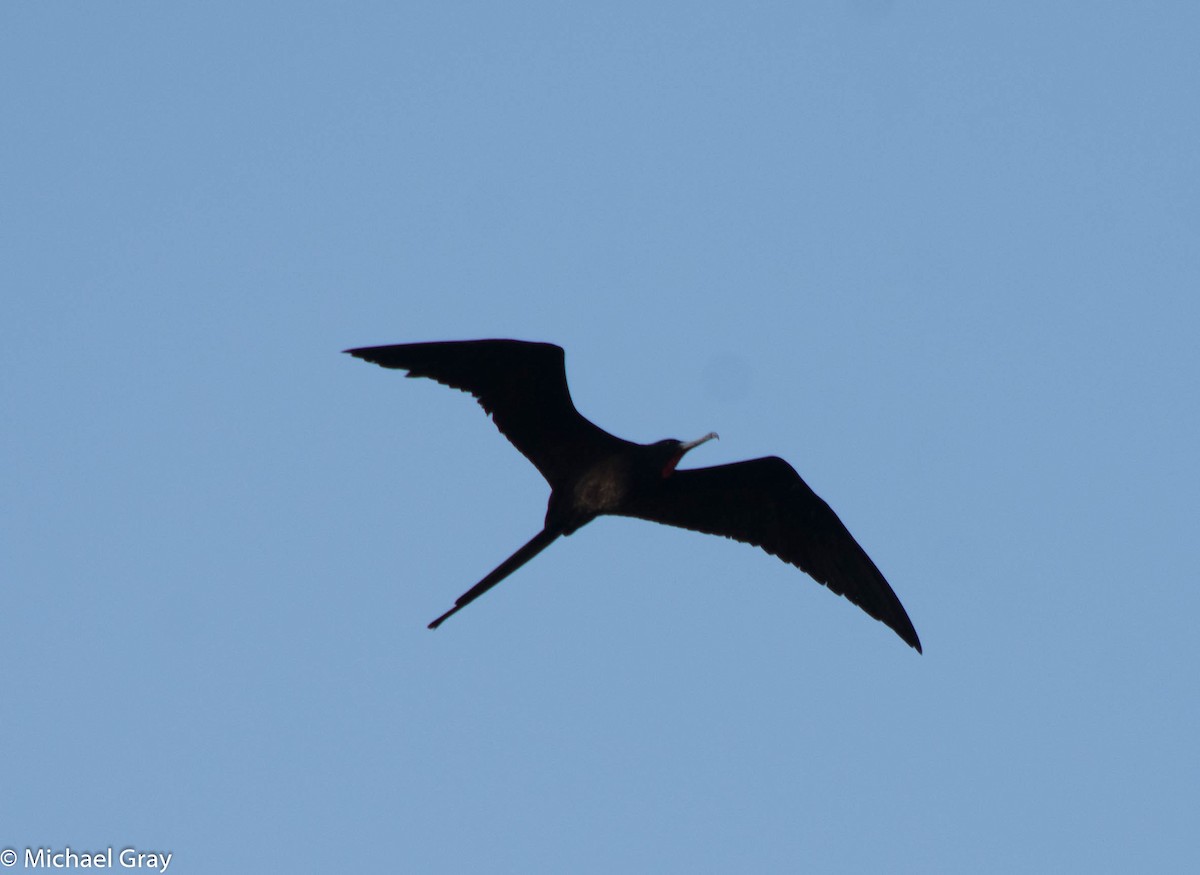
673 451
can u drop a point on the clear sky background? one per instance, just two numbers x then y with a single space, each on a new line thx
946 261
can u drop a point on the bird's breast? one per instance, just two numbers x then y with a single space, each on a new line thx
602 489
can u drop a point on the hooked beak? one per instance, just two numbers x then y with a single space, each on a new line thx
669 468
691 445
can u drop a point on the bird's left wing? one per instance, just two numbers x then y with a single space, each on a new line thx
764 502
522 385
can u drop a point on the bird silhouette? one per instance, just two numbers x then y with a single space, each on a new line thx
591 473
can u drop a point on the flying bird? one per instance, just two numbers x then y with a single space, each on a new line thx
591 473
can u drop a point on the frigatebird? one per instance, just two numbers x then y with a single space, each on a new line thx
763 502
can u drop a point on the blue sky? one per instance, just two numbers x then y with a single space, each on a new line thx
943 260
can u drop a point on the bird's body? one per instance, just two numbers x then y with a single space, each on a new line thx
600 489
592 473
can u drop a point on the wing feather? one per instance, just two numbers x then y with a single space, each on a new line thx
522 385
764 502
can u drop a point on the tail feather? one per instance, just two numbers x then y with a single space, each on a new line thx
536 544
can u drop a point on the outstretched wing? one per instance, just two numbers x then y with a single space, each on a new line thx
764 502
522 385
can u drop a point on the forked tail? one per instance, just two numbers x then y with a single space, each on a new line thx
536 545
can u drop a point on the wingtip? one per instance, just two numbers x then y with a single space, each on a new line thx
910 638
897 619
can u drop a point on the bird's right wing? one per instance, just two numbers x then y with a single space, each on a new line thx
522 385
765 502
